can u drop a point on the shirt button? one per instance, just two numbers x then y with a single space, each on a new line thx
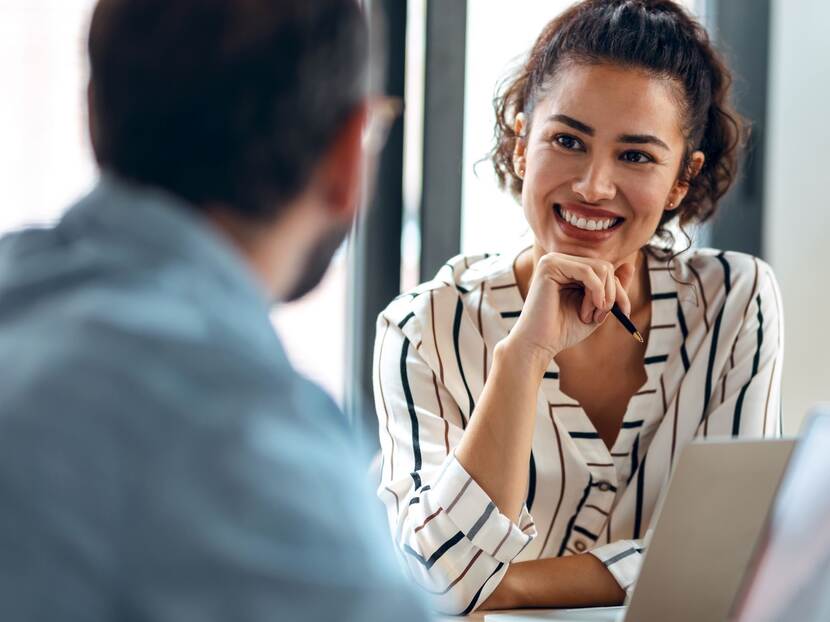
604 486
580 546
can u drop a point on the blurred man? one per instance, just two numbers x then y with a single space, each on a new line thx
159 457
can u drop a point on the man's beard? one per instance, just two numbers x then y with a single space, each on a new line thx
317 261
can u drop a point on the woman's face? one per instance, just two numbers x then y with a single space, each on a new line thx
601 161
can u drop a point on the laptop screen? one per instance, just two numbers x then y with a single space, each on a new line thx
789 577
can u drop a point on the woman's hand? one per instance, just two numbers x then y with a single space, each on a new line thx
569 298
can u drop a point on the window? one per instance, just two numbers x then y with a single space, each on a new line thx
45 157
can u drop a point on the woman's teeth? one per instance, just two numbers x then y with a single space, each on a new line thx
588 224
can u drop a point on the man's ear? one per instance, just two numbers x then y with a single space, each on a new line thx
340 173
91 120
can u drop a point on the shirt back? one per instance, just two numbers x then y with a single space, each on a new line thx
160 459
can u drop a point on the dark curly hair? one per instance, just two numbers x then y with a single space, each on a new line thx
657 36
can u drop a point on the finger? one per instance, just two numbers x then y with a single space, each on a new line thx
587 310
599 316
623 301
605 272
586 275
610 287
625 273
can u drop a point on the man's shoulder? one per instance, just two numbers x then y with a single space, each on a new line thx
130 347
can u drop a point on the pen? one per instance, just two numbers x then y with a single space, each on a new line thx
626 323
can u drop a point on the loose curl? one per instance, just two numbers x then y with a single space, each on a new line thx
656 36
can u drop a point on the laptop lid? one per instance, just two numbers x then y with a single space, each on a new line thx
789 577
706 528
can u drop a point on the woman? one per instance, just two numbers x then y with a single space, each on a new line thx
526 435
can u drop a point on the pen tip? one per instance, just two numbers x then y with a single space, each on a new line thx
638 336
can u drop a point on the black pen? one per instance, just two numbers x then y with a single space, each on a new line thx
629 326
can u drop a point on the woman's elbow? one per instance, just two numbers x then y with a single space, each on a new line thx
456 586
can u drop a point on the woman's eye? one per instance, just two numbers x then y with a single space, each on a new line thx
567 142
637 157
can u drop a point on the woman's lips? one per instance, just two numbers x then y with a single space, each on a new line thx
585 234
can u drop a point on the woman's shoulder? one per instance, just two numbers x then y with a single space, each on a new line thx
714 269
458 276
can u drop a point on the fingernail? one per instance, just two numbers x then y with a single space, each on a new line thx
599 316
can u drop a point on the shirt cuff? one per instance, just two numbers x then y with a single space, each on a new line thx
623 559
476 516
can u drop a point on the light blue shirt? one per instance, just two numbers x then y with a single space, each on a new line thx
159 457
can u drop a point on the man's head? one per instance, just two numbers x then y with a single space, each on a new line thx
240 107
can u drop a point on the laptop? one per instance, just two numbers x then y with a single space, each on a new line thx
789 576
707 524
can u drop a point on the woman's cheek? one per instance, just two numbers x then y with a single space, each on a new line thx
644 200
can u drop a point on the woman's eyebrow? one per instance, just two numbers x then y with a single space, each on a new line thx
571 122
642 139
635 139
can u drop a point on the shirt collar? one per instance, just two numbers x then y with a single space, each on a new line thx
152 222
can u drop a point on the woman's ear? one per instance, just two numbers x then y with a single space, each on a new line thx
681 187
520 148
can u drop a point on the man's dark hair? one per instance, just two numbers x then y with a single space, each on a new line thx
224 101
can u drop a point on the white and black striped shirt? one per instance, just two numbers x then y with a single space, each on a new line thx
713 363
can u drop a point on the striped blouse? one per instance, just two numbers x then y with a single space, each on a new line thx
713 366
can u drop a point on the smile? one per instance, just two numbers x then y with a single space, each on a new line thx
578 223
586 224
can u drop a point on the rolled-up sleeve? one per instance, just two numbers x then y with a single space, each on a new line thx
451 538
623 559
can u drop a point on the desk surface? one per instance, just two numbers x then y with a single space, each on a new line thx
602 613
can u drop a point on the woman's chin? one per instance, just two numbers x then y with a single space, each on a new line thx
611 253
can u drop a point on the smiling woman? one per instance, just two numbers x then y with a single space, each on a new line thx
526 438
606 144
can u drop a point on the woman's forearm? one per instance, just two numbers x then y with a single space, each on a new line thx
495 448
573 581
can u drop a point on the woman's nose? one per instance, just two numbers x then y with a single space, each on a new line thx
596 183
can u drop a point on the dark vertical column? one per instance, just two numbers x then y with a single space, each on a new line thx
740 28
375 251
440 217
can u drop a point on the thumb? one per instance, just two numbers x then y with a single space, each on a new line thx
625 273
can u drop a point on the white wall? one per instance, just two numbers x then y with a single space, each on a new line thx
798 207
